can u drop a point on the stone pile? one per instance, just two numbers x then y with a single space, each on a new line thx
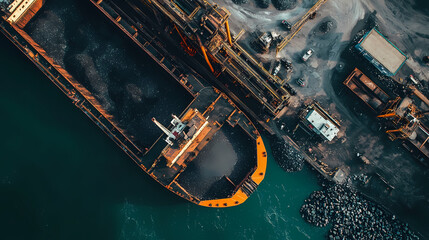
286 156
352 216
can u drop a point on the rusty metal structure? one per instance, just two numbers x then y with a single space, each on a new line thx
404 116
299 24
401 114
20 12
367 90
205 26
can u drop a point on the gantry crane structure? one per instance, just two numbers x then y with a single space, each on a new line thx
205 27
298 25
404 116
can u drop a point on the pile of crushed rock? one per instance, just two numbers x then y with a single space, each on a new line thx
352 216
286 156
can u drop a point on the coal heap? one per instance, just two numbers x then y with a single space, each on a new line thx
326 26
262 3
286 156
284 4
352 216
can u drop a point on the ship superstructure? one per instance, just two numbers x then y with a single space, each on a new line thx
19 12
185 137
211 155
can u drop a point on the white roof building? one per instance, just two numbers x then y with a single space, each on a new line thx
320 125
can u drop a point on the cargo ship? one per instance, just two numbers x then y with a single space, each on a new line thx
211 154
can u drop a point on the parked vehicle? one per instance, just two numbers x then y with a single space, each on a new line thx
277 68
264 41
307 55
300 82
287 64
286 25
414 80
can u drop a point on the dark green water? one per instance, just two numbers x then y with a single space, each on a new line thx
62 178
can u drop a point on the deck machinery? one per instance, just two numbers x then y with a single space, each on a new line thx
212 155
20 12
204 26
404 122
401 114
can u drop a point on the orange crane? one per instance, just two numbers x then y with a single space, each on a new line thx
390 109
188 49
405 117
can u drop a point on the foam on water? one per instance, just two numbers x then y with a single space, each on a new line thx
133 227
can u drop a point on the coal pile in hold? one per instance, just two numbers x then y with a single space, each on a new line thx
286 156
352 216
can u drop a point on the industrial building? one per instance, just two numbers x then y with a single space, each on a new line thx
385 56
316 119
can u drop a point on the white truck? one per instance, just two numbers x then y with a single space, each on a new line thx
307 55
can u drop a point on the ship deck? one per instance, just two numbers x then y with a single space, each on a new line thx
231 154
223 164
